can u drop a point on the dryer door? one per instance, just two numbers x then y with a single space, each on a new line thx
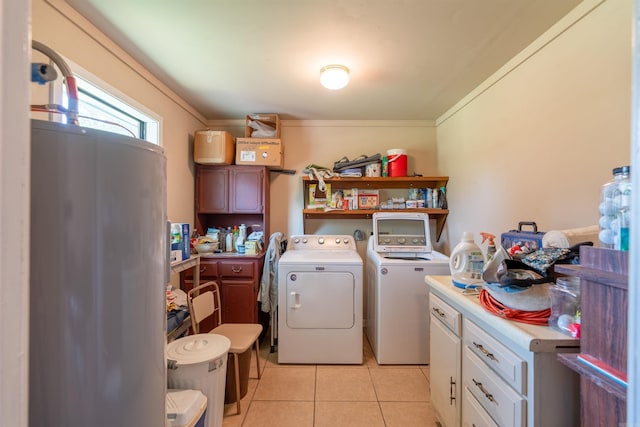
320 300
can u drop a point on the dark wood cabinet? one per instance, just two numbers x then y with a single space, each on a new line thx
232 195
245 190
239 283
212 190
239 280
603 302
227 196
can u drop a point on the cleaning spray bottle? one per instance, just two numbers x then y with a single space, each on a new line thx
491 246
466 263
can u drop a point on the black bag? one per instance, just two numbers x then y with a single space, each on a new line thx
359 162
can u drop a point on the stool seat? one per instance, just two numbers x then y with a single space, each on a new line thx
241 335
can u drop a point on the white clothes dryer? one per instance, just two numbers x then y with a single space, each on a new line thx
399 256
320 301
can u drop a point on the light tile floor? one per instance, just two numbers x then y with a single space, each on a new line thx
369 395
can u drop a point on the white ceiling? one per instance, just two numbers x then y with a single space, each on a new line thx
409 59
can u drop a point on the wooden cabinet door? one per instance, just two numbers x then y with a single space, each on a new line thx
238 301
212 190
446 384
246 193
238 290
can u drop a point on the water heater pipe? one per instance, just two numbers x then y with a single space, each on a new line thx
72 88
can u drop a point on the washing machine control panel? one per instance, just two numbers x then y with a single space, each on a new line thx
316 242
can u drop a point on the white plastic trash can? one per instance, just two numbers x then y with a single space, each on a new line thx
186 408
199 362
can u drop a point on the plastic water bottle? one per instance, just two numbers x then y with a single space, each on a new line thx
609 210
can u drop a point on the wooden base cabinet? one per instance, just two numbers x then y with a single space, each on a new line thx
511 376
239 280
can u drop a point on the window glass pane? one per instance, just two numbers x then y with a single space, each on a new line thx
100 110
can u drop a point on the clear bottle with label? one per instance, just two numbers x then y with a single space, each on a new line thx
228 243
609 210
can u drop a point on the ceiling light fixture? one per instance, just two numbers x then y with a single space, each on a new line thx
334 76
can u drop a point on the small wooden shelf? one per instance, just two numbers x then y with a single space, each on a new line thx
369 183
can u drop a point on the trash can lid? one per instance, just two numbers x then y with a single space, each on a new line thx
198 348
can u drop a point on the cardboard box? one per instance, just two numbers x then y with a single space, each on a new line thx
272 120
213 147
260 151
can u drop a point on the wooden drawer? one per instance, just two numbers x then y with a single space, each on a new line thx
473 415
445 313
505 406
208 270
244 269
498 357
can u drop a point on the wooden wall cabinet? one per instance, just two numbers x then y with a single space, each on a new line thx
386 184
232 195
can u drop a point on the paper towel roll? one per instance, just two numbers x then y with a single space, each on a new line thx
570 237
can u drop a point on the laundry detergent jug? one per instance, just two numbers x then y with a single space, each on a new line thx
466 263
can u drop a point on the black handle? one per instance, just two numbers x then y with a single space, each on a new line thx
531 223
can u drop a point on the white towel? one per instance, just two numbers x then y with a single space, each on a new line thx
570 237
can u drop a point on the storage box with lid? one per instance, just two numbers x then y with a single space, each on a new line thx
213 147
260 151
186 408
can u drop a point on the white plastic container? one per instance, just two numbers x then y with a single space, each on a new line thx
186 408
466 263
199 362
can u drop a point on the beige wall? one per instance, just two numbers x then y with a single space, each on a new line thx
59 27
324 142
537 140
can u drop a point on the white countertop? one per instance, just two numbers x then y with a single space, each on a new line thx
531 337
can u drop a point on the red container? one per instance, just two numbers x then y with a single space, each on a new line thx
397 162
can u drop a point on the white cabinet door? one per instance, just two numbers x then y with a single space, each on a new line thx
444 373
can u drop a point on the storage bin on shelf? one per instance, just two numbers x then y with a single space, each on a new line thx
271 120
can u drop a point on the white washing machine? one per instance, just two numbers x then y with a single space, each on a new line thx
320 301
399 255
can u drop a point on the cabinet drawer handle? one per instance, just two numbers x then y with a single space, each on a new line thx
485 351
483 390
452 390
236 269
439 312
203 269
